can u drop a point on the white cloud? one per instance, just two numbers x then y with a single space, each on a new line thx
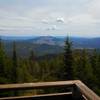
44 21
60 20
94 9
22 17
82 19
52 28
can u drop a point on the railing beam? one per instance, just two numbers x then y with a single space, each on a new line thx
78 88
39 85
44 96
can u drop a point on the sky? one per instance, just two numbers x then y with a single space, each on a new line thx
50 17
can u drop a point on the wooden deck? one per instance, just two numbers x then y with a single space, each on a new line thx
79 91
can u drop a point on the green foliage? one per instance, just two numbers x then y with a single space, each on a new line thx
81 65
3 65
32 56
24 74
14 64
68 61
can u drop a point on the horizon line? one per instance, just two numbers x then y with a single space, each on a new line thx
27 36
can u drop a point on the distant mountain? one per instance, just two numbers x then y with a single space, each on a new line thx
86 42
77 42
49 40
23 48
16 38
47 44
59 41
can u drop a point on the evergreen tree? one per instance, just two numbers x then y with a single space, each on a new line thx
68 60
94 60
14 64
3 78
85 71
23 73
4 72
95 63
32 55
98 74
32 62
98 68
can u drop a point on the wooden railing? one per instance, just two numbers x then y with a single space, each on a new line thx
79 90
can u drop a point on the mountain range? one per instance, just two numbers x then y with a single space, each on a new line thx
78 42
47 44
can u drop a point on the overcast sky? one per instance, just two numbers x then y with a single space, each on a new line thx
50 17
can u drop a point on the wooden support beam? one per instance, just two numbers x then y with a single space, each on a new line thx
40 97
39 85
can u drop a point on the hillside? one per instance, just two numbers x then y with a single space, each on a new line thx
47 44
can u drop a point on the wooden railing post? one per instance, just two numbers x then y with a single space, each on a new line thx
76 94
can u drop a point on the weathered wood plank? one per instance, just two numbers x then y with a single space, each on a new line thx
45 96
36 85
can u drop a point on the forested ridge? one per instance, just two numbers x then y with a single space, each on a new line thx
71 64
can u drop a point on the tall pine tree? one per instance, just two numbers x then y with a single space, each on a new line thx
15 64
32 56
3 78
68 60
